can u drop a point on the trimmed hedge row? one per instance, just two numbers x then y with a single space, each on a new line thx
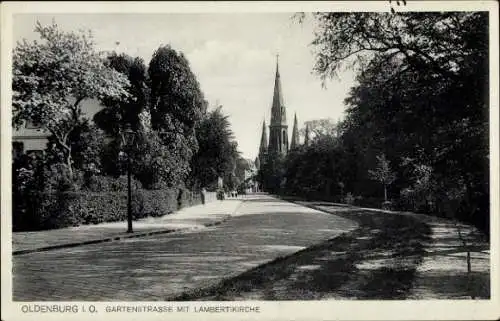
51 211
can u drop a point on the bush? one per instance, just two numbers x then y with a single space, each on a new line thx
110 184
57 179
158 202
57 210
30 212
349 199
64 209
186 198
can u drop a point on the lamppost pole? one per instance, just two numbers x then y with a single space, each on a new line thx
129 198
128 138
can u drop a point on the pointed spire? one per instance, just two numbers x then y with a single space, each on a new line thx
306 138
263 139
278 112
277 65
295 134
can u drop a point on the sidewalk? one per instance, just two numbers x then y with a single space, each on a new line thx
443 272
194 217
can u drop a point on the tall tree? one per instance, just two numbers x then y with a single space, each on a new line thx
216 155
316 170
242 166
51 79
319 128
383 173
119 113
272 173
176 103
176 100
422 93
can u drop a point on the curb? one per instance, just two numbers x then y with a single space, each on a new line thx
419 216
349 206
121 237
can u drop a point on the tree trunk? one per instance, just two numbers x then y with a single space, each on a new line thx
62 142
385 193
69 163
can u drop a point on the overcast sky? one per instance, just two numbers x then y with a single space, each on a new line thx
233 56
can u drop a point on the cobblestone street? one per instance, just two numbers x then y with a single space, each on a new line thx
163 266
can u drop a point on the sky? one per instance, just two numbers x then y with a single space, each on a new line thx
233 56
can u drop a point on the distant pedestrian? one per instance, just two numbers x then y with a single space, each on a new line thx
203 194
179 198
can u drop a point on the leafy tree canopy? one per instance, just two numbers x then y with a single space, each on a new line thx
441 41
217 153
120 113
52 77
176 100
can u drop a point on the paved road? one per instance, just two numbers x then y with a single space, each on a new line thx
157 268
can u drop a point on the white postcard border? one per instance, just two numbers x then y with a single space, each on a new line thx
269 310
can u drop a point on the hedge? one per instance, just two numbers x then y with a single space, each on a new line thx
50 211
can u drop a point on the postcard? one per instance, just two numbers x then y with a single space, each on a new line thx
250 160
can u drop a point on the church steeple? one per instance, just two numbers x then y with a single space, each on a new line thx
295 134
278 130
278 111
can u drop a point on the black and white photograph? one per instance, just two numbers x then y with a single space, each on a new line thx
209 160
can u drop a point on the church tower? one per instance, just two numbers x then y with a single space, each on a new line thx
278 129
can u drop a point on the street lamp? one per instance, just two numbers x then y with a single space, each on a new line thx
128 138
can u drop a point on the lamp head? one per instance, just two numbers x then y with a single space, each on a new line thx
128 136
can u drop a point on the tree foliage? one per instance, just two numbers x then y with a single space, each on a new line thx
217 153
53 76
421 98
435 118
320 128
157 165
120 113
176 104
318 170
438 41
176 100
272 173
383 173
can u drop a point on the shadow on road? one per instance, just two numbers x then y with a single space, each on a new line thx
375 261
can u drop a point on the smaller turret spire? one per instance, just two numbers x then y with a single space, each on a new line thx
295 134
263 140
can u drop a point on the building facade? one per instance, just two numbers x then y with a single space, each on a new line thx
28 139
32 139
